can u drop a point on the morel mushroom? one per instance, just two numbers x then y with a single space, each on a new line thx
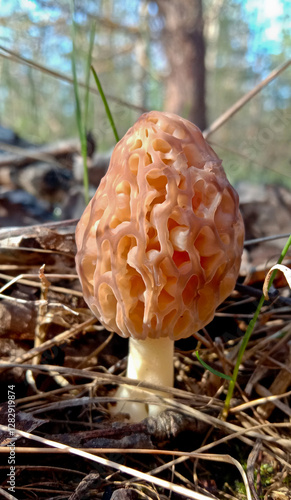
159 245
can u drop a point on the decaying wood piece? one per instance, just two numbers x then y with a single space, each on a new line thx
23 422
17 320
44 181
91 481
19 157
40 245
124 494
148 434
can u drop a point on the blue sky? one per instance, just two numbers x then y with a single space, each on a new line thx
8 7
265 20
265 17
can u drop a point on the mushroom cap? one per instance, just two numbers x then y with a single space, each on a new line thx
160 243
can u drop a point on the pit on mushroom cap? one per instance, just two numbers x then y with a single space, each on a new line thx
160 243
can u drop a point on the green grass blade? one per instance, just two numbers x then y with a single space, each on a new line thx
107 109
247 336
88 73
212 370
75 82
80 125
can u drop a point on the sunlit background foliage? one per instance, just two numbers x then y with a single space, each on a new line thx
244 41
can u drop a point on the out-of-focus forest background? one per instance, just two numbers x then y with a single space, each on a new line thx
195 58
192 57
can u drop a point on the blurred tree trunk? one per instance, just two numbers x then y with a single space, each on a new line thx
184 46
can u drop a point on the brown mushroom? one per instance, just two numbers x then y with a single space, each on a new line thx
160 244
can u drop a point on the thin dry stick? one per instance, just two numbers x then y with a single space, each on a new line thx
60 76
58 339
40 331
253 456
7 495
192 412
262 391
265 238
96 352
24 279
148 451
235 435
245 157
40 228
258 402
35 397
228 427
243 100
109 463
29 153
104 377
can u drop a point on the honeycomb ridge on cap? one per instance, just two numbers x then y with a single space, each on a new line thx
160 243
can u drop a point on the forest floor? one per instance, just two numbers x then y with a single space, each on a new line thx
60 369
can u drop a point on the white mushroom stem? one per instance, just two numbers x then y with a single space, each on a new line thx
149 360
